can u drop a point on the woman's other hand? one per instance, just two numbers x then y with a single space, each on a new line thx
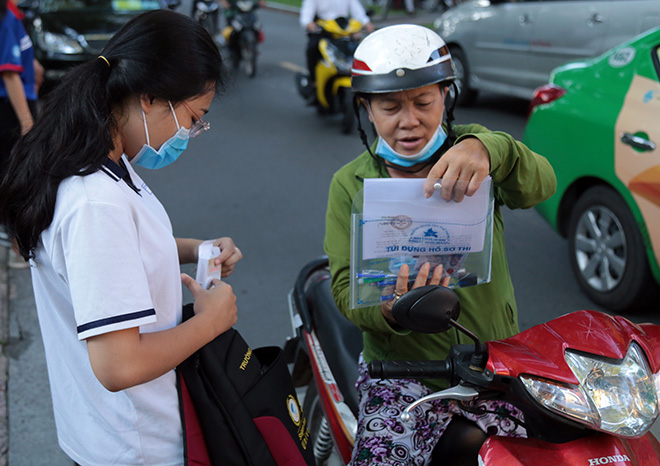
229 255
401 286
218 303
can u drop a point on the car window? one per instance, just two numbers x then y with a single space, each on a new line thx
98 5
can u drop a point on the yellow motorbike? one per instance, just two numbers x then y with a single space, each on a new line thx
330 87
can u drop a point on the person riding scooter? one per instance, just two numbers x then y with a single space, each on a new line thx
327 10
402 76
230 9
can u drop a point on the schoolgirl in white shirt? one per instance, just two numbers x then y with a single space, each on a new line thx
105 263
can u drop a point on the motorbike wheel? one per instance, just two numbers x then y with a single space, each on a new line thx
466 96
607 252
248 44
319 433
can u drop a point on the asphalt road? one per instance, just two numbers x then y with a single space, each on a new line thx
261 176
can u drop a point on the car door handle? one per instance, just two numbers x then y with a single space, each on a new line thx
637 142
524 19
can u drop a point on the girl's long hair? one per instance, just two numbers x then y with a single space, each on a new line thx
160 54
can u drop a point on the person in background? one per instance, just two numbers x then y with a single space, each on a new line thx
104 261
229 11
229 8
402 76
18 90
327 10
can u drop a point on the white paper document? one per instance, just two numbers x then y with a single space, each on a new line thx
398 219
206 268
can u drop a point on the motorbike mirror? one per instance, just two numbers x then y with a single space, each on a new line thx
427 309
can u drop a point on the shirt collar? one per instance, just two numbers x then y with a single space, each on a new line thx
368 168
118 173
113 169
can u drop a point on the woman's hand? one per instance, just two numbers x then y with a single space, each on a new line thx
229 255
401 286
218 303
462 169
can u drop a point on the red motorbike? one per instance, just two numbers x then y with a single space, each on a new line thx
587 383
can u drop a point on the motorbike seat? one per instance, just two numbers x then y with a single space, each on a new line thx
340 339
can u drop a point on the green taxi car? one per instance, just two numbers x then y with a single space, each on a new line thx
598 123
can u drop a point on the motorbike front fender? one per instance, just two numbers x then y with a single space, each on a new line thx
595 449
344 81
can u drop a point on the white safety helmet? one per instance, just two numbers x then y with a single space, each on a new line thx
401 57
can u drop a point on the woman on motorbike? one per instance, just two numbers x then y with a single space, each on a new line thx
402 76
105 264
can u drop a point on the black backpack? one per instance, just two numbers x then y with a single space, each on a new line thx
239 406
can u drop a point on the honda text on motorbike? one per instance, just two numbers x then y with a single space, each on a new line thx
587 382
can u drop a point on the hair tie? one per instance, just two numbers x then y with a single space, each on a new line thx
105 60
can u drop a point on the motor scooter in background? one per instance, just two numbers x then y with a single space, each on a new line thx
206 13
243 35
587 382
330 87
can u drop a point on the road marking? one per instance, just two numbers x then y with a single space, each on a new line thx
292 67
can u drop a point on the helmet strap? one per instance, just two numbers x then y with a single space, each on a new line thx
449 112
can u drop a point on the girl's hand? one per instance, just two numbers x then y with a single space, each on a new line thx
229 255
401 286
218 304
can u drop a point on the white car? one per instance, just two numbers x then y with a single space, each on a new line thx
510 46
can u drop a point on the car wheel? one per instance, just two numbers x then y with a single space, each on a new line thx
466 96
607 252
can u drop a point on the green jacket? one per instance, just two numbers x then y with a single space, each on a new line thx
521 179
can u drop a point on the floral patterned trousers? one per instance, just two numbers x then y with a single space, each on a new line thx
382 438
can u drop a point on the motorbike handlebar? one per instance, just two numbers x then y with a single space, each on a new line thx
410 369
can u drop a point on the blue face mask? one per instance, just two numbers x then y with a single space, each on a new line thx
384 150
169 151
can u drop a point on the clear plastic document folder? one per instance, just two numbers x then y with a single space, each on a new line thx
393 224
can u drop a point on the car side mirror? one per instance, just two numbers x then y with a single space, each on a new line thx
427 309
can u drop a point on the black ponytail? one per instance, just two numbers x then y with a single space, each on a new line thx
160 54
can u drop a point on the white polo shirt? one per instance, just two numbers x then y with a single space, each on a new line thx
332 9
108 262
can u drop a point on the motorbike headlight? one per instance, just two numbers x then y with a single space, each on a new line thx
338 59
344 64
331 52
59 43
619 397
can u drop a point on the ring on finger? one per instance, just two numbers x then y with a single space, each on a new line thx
397 295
